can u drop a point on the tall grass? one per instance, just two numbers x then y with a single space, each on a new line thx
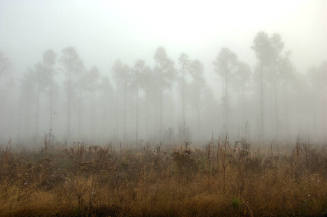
219 179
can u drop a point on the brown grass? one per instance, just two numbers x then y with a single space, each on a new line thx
216 180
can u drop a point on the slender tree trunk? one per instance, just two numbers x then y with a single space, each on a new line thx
51 114
160 117
136 116
148 112
69 108
68 121
276 109
183 102
124 124
93 119
37 113
79 114
199 122
226 106
242 118
20 120
262 124
117 118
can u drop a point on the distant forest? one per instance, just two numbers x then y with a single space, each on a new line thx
60 99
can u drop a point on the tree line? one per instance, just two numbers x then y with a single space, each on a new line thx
59 99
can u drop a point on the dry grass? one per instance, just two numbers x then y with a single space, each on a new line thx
216 180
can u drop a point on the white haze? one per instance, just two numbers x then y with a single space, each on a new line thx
104 31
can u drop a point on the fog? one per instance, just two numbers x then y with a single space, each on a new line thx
162 72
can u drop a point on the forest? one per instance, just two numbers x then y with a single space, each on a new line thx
61 100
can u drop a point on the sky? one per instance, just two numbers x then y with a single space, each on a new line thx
105 30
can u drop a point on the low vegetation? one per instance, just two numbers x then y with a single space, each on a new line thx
218 179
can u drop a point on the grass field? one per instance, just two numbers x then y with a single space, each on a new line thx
218 179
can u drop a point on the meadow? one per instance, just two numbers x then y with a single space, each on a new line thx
215 179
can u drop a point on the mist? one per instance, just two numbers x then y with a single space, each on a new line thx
152 72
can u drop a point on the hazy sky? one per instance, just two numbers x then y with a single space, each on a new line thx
105 30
